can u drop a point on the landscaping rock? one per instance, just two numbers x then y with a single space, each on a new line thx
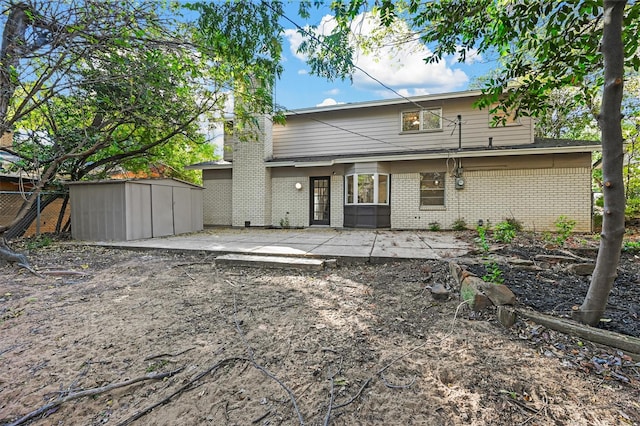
582 269
499 294
471 292
506 316
439 292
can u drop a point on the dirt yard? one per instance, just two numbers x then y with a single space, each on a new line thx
356 345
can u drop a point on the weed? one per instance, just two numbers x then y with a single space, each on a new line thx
631 246
434 226
39 242
481 239
564 228
504 232
284 222
494 273
514 223
459 225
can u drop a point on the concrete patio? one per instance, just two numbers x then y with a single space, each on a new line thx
374 246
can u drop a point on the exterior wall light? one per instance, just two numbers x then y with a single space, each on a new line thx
298 186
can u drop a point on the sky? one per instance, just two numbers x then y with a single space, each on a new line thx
402 69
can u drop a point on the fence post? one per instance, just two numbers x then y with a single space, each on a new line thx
38 216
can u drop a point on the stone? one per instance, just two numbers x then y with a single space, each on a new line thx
506 316
499 294
471 292
519 262
582 269
439 292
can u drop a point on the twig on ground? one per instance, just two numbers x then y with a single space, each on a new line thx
261 418
90 392
364 385
65 272
149 358
327 417
428 342
260 367
186 386
391 386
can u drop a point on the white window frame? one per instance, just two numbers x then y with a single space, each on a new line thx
376 189
421 118
443 189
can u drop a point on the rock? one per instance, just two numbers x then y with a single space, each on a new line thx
582 269
499 294
516 261
506 316
554 258
439 292
471 292
457 272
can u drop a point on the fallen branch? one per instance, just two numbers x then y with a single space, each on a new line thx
626 343
183 388
364 385
263 369
91 392
149 358
61 273
391 386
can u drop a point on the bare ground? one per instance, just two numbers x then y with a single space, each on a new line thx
356 345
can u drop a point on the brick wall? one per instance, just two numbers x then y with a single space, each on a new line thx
337 201
217 199
535 197
290 202
251 186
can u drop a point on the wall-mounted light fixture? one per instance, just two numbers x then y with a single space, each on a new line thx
298 186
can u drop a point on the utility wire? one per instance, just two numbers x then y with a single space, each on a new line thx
350 62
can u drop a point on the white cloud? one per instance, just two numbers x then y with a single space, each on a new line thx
334 91
472 56
329 102
303 72
399 66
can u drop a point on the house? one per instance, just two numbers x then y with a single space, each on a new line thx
409 163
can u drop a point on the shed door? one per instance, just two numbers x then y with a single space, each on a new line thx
319 204
162 210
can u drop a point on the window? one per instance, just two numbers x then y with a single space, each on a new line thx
422 120
431 189
371 188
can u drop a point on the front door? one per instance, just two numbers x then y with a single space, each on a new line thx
319 204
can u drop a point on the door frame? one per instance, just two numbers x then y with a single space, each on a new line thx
312 205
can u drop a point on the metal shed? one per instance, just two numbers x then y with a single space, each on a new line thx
120 210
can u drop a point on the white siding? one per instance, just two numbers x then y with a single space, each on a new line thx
377 130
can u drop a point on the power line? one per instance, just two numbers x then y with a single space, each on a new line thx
350 62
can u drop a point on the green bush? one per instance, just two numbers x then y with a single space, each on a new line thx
459 225
434 226
564 228
481 239
504 232
515 223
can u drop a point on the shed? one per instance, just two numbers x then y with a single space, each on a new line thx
120 210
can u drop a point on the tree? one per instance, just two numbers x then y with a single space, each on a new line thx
548 45
89 86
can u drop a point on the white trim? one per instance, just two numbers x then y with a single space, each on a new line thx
454 153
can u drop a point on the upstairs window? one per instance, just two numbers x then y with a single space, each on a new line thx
421 120
432 189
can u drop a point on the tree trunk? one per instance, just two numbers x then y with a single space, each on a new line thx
13 38
610 119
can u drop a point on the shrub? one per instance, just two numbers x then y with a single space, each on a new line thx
515 223
434 226
504 232
494 273
459 225
481 239
564 227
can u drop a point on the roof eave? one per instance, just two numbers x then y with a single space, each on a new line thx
438 155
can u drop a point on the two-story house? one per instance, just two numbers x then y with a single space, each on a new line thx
399 164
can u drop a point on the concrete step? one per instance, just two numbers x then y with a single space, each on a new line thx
273 262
